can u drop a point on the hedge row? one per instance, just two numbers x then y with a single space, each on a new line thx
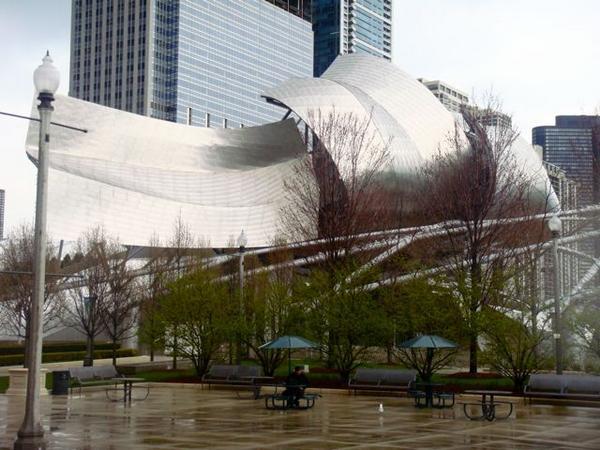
54 347
13 360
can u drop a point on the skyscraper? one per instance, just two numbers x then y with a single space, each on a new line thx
448 96
573 144
2 200
200 62
351 26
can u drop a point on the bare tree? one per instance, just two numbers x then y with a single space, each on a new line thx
119 312
180 262
337 189
16 260
153 285
270 309
85 307
481 185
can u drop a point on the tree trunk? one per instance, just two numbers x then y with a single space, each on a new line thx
114 352
89 352
475 301
473 353
26 347
175 348
151 352
388 349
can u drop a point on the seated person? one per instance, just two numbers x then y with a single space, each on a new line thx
295 384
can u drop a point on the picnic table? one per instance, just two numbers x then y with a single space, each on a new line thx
424 390
488 405
282 402
127 383
429 392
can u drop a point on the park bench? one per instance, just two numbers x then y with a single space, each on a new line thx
232 375
391 380
573 387
91 376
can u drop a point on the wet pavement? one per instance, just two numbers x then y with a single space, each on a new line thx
186 417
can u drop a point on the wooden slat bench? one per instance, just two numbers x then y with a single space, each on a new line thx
232 375
92 376
391 380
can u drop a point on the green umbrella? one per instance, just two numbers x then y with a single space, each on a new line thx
288 342
428 341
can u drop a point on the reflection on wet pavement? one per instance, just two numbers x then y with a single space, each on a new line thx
186 417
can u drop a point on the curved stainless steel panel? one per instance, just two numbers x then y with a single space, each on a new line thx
402 112
135 175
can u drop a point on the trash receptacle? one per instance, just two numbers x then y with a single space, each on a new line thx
60 382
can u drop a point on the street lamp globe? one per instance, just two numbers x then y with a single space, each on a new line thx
555 224
46 77
242 240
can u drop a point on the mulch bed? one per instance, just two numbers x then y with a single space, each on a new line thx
478 375
338 384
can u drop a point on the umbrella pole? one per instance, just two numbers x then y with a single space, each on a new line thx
289 361
429 360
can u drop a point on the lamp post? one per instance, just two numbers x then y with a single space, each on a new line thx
242 241
555 226
31 433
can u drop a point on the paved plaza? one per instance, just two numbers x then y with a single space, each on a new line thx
186 417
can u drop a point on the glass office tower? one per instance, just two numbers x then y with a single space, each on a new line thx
350 26
573 144
201 62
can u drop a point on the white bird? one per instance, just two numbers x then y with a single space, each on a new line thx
380 409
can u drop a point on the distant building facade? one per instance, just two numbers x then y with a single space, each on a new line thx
494 118
564 187
573 144
350 26
199 62
453 99
2 203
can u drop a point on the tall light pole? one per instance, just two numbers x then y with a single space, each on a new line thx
242 241
555 226
31 434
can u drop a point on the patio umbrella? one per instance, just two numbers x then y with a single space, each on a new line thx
430 342
289 343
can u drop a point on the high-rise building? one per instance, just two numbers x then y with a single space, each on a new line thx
572 266
453 99
2 200
573 144
351 26
564 187
200 62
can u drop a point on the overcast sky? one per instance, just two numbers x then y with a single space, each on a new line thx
541 57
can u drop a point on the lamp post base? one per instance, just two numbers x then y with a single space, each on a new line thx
33 440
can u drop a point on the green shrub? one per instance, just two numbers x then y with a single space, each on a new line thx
13 360
53 347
